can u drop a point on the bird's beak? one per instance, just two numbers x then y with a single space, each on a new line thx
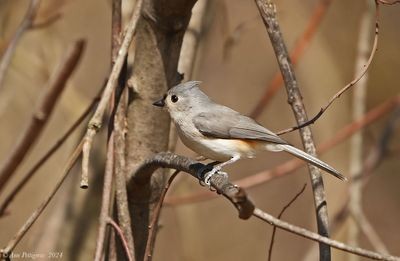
160 103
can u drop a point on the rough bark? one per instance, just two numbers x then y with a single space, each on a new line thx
157 47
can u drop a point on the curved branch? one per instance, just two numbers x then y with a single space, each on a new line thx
238 197
219 181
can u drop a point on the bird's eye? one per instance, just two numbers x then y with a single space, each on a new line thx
174 98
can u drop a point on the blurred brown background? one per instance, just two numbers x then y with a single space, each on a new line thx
235 75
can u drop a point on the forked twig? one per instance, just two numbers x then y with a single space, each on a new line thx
112 223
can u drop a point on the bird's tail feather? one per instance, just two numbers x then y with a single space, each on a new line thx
310 159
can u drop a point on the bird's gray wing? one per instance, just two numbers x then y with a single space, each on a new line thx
225 123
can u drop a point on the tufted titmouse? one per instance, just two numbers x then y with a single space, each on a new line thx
222 134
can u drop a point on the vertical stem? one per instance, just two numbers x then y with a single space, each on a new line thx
105 203
268 13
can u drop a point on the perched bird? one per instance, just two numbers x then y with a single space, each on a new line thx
222 134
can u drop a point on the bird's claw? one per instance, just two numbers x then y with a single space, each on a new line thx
208 175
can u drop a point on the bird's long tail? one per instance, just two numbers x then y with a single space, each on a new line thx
307 157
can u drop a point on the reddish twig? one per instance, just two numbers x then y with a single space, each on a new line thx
111 222
279 217
20 234
46 156
153 227
25 24
292 165
52 92
299 49
349 85
95 122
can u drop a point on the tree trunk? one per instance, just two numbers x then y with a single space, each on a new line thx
157 47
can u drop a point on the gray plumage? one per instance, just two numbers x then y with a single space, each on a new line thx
216 131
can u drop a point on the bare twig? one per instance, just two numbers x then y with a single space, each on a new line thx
20 234
300 46
271 245
268 13
357 78
106 200
111 222
46 156
292 165
25 24
95 122
153 227
52 92
237 196
318 238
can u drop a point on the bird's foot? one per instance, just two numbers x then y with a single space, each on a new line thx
208 175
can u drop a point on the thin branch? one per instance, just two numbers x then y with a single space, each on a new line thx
268 13
357 78
9 198
237 196
25 24
153 227
292 165
318 238
21 233
52 92
299 49
95 122
271 245
120 103
106 200
128 253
